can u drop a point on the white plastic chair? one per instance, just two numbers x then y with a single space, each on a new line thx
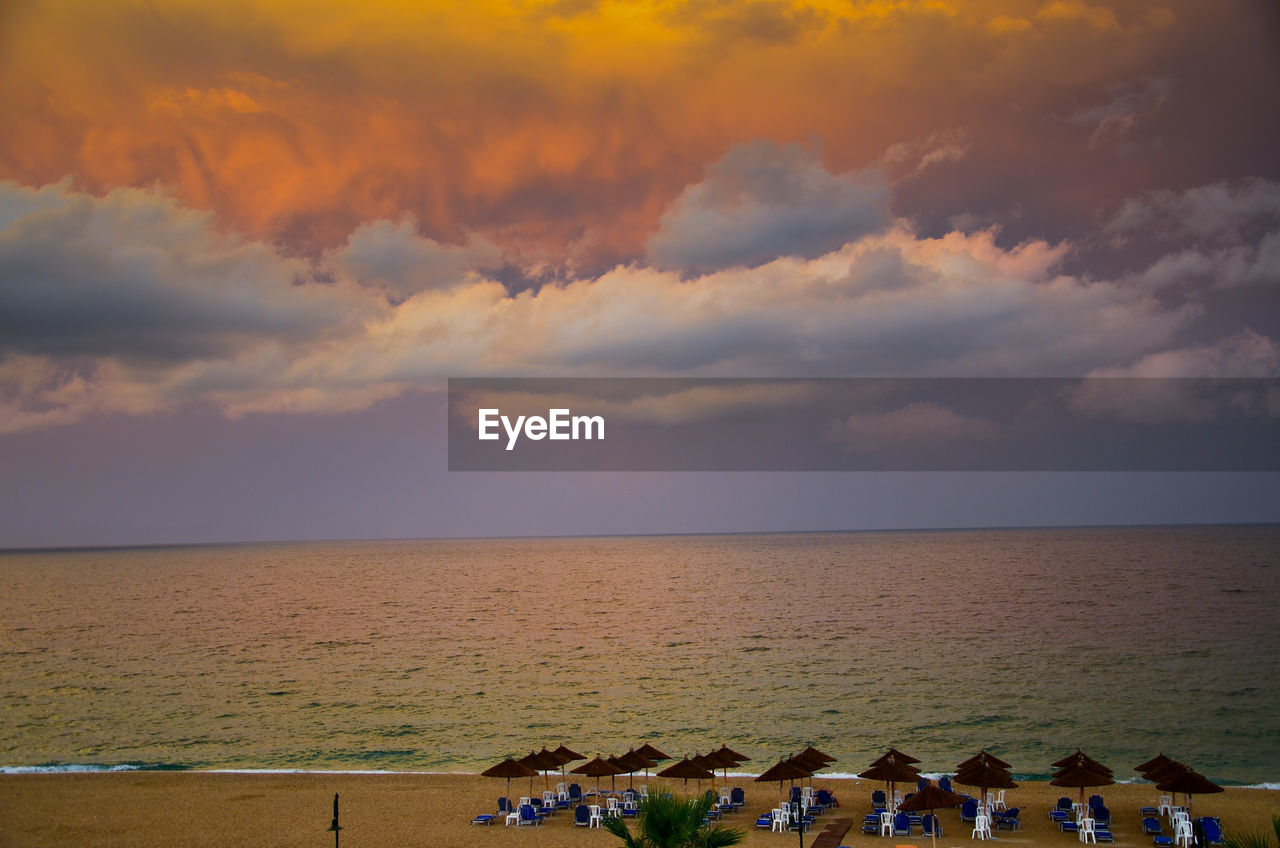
548 800
1166 804
562 792
614 808
513 817
982 828
886 823
596 820
999 804
781 819
1087 831
1183 835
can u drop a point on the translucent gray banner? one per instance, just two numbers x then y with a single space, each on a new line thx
864 424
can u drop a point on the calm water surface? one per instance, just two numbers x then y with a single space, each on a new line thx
449 655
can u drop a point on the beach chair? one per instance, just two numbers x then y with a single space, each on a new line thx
1148 811
981 827
575 793
1151 826
1103 835
901 825
930 827
877 798
1008 819
738 797
484 818
1212 831
528 816
582 816
1095 800
765 822
1102 815
944 783
1064 803
825 798
871 824
969 811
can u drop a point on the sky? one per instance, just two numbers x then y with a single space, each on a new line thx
243 245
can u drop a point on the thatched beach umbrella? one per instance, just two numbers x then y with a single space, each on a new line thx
785 769
1156 762
983 756
544 761
566 755
720 760
811 753
895 755
686 769
1081 775
985 774
931 798
652 754
510 768
891 772
633 762
1189 782
1081 758
596 768
813 759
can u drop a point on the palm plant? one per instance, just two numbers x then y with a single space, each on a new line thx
1253 839
665 822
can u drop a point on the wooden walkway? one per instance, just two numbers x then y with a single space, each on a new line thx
830 836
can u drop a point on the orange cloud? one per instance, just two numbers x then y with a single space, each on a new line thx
562 130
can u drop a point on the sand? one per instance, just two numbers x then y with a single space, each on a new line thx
175 809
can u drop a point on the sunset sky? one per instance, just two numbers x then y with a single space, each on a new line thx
243 244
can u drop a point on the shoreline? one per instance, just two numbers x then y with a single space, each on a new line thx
223 808
125 768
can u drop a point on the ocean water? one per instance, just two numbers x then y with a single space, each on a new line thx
450 655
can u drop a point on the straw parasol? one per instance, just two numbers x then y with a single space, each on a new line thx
686 769
633 762
931 798
652 754
1081 775
1156 762
647 750
896 755
544 761
596 768
891 771
813 759
566 755
720 760
984 773
510 768
1078 758
1189 782
812 753
983 756
785 769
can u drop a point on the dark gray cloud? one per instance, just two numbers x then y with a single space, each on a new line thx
761 201
134 275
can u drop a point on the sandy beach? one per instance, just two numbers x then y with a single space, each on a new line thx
286 810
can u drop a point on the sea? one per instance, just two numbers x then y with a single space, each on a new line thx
451 655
